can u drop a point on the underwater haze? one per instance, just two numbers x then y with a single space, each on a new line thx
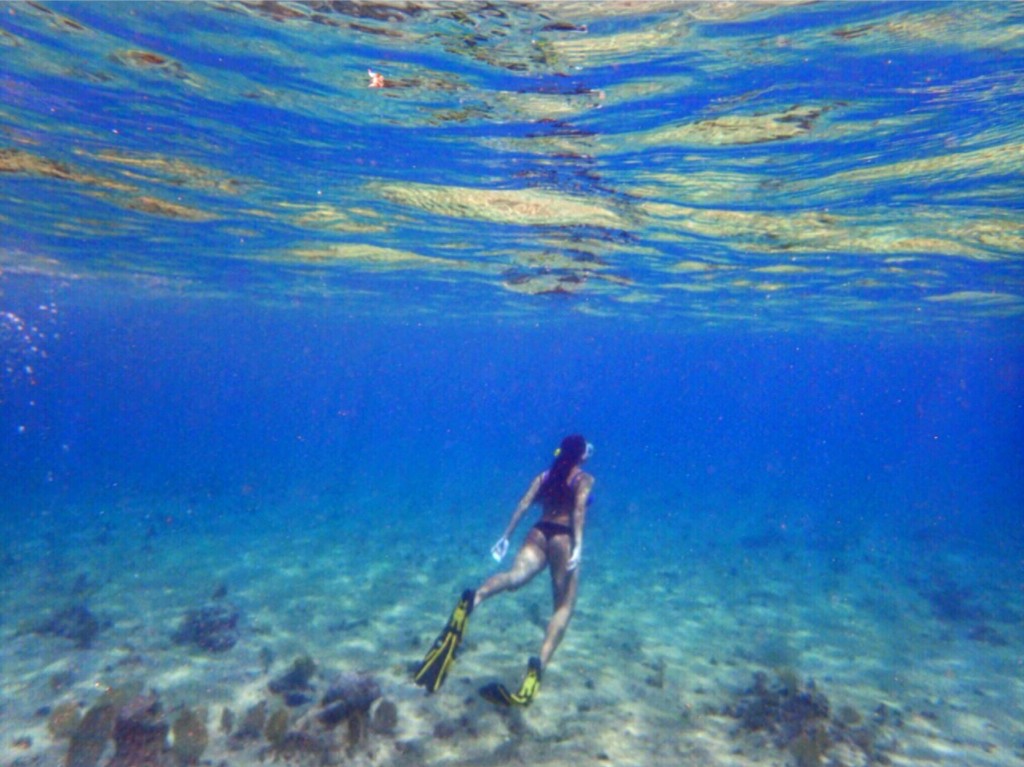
296 299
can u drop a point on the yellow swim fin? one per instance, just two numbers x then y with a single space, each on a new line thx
499 695
441 655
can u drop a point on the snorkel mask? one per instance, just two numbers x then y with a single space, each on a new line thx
587 453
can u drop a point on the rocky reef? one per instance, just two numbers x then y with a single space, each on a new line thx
348 694
798 718
343 713
75 622
190 736
132 719
140 734
294 684
338 724
212 627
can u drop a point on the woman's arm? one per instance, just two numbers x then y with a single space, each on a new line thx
524 503
499 549
579 518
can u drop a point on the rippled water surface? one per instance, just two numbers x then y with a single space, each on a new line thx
777 165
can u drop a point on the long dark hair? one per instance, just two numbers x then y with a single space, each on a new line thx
554 491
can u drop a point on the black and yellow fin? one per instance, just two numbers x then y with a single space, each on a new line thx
438 661
499 695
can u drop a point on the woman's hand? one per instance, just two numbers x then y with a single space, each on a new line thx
574 560
500 549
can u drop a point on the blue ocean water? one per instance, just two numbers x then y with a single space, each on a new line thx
766 258
222 406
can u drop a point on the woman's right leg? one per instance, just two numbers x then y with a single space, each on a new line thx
530 560
564 584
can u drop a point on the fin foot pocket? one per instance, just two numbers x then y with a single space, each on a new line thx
498 694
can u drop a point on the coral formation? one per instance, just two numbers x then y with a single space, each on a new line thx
212 627
64 720
350 711
288 744
809 747
340 722
296 678
76 623
190 736
135 722
781 709
385 717
348 693
140 734
296 743
799 719
277 728
252 722
227 720
90 738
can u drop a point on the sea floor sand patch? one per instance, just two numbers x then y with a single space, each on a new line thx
667 680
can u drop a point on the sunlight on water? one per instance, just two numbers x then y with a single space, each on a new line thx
789 164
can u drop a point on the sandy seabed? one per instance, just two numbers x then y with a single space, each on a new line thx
920 646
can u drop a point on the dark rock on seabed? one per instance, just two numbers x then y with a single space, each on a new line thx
76 623
212 627
348 693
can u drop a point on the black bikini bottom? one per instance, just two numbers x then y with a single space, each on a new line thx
550 529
